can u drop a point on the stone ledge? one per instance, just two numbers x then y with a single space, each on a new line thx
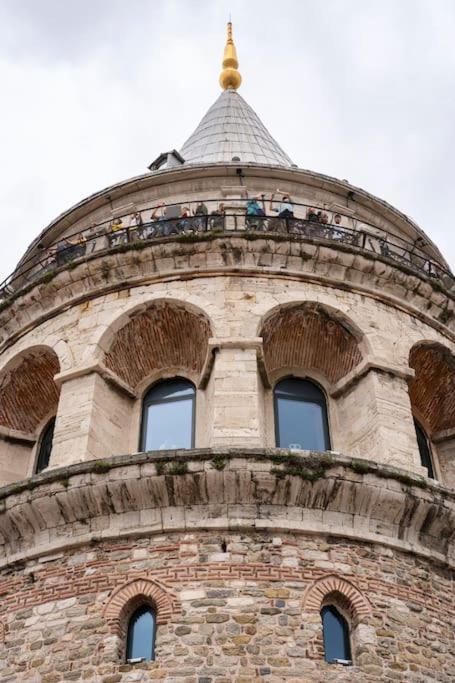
264 489
266 255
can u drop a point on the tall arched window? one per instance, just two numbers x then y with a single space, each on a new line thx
140 642
336 635
168 416
45 446
301 415
424 449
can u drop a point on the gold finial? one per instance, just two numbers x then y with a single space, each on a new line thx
230 78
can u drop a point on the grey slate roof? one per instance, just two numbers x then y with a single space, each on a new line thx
232 129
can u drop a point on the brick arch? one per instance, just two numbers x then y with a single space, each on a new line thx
28 393
341 591
166 334
309 336
131 594
432 391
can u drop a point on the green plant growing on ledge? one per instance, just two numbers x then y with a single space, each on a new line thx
101 466
310 468
218 462
178 468
160 467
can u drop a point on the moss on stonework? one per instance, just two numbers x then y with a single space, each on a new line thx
218 462
101 466
179 467
160 467
310 468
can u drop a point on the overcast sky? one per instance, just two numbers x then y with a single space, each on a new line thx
93 90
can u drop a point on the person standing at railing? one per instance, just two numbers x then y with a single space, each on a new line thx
200 213
285 208
217 217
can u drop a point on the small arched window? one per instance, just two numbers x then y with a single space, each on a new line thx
336 635
423 443
168 416
140 642
45 446
301 415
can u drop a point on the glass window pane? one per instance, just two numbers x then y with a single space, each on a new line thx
141 635
301 415
424 449
173 388
45 447
336 635
169 425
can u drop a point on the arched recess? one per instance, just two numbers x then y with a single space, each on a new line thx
308 340
432 395
166 337
350 602
355 602
28 393
311 337
29 397
126 599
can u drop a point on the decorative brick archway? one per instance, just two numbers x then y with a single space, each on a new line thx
28 393
143 590
432 392
308 336
165 335
315 596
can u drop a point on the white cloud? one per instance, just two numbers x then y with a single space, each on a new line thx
93 90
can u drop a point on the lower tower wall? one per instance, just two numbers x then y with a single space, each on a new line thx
231 607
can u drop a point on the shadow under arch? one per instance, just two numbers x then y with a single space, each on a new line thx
313 337
159 338
28 392
432 391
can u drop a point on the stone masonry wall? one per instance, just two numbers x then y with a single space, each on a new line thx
235 306
237 608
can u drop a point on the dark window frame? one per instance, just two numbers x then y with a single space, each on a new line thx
138 612
147 403
45 444
425 450
322 403
343 623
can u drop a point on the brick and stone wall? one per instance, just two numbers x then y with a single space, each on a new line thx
231 607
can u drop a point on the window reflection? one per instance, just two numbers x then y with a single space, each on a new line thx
301 415
45 447
336 635
141 634
168 416
424 450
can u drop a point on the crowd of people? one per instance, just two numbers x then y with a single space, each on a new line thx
259 215
167 219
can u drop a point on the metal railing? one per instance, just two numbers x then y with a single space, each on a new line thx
173 221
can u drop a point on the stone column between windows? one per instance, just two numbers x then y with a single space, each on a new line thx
374 421
93 420
235 390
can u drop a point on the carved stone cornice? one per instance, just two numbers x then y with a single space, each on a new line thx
261 489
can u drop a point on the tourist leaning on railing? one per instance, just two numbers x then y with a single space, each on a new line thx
286 207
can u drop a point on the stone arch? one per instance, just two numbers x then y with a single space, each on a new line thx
310 336
28 392
124 600
432 391
342 592
162 334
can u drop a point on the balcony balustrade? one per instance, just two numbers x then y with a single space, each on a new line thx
170 222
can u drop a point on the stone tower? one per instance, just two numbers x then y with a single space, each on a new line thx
227 429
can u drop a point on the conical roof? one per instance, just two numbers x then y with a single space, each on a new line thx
232 129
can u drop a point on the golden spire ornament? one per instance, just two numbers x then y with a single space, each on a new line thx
230 78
